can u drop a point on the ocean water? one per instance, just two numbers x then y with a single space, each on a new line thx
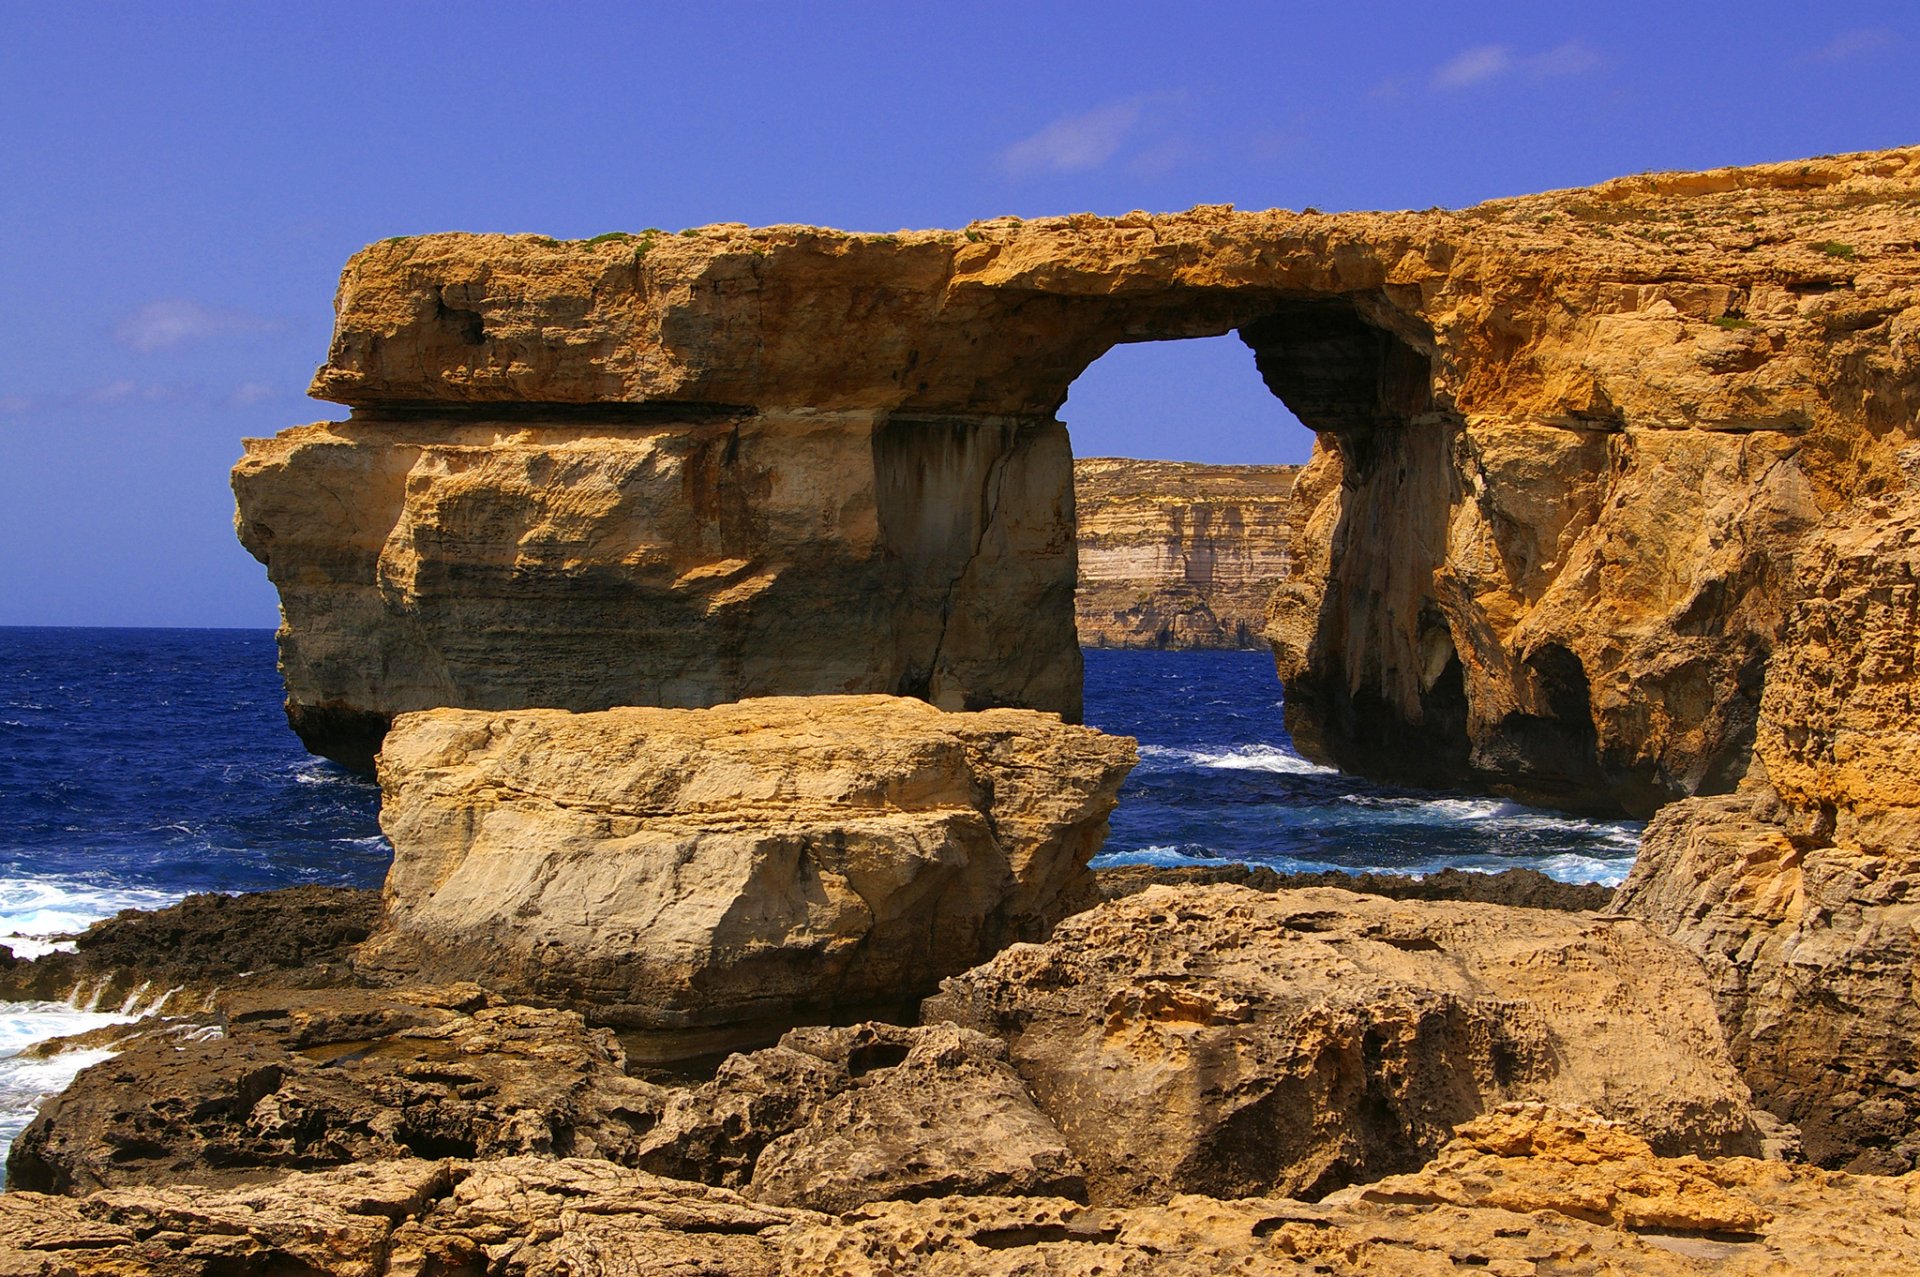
137 766
1219 781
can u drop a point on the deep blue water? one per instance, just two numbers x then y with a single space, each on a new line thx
1219 780
139 765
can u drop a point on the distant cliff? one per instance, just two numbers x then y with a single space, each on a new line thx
1175 554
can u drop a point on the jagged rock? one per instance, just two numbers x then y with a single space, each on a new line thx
1801 894
1528 1191
289 1080
1226 1041
293 936
1177 555
949 1117
1567 444
742 865
834 1118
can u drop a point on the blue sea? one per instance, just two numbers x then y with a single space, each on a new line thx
137 766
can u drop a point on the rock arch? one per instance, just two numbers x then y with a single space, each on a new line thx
1567 446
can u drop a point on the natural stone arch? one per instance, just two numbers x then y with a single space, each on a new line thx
1568 445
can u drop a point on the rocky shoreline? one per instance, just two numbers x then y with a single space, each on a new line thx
320 1114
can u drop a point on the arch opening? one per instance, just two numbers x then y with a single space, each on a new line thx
1302 516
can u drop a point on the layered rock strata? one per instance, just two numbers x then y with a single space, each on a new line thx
1566 445
1178 555
1801 893
1529 1190
1301 1041
747 864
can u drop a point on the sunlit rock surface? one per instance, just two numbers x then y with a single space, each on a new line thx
1235 1042
1801 893
1175 555
1528 1190
749 863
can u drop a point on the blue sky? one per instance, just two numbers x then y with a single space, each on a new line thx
180 184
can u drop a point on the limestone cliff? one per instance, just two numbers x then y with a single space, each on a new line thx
1567 444
1174 554
1802 892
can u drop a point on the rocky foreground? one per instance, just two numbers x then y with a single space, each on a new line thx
1526 1191
520 1062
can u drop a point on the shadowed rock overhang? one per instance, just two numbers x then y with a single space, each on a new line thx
1567 444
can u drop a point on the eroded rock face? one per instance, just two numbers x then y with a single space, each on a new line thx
1567 444
1174 555
1529 1190
507 561
746 864
1801 894
1232 1042
834 1118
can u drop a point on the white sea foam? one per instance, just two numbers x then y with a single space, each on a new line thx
35 911
1260 758
27 1080
1164 857
1494 812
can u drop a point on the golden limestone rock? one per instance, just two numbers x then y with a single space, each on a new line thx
1178 555
1530 1190
1235 1042
1801 893
746 864
1567 444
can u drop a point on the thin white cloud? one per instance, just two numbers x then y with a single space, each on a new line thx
249 394
1486 63
1852 44
1474 66
1571 58
1075 143
161 325
126 391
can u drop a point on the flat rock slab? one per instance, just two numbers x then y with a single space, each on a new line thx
749 863
1232 1042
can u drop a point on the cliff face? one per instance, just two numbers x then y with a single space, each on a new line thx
1567 444
1174 554
1801 893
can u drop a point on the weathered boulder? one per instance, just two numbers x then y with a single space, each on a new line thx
1225 1041
748 864
1801 894
1527 1191
281 1080
1177 555
834 1118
